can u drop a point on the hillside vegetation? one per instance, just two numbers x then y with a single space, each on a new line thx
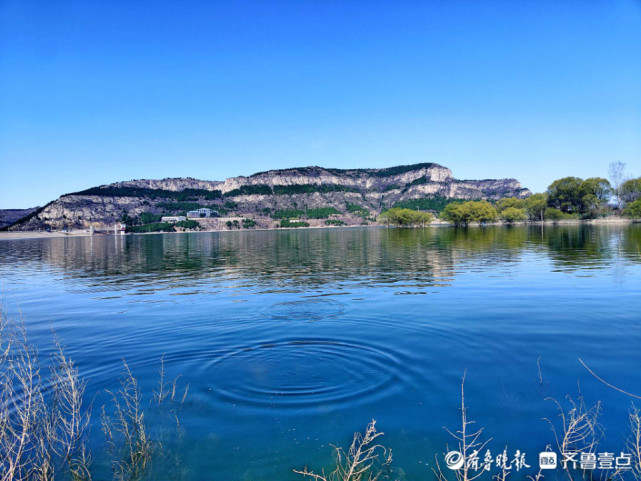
299 196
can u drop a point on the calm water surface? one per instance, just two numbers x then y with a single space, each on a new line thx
292 340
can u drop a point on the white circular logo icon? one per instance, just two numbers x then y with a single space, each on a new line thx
454 460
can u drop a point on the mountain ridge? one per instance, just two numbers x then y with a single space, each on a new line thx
262 193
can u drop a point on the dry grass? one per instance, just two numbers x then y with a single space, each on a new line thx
366 460
43 428
168 389
469 443
580 431
44 422
126 432
634 441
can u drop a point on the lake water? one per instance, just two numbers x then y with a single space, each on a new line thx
291 341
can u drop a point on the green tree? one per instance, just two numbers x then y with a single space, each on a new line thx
555 214
334 222
509 202
631 190
148 218
512 214
595 192
188 224
535 206
405 217
249 223
155 227
287 214
565 194
288 223
633 209
468 212
575 195
482 211
454 213
126 219
422 218
358 210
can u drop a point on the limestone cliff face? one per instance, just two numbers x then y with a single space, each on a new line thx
80 211
174 185
360 179
263 193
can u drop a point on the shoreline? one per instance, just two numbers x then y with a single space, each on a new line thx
28 234
21 235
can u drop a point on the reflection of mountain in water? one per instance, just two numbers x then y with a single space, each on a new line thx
418 257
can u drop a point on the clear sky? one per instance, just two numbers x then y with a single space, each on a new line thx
93 92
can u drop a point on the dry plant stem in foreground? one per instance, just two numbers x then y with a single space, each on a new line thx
365 460
580 430
42 428
44 424
71 419
469 443
126 433
634 441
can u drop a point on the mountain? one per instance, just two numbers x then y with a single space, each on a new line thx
10 216
353 194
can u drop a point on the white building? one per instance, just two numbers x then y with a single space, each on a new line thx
173 218
204 212
120 228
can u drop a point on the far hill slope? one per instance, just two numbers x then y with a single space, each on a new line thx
10 216
360 193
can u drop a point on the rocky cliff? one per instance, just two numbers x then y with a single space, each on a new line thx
356 194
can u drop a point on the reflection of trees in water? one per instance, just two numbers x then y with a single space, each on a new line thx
319 256
631 242
588 246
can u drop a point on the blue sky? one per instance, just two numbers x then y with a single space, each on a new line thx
96 92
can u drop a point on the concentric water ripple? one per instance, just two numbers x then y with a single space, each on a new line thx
305 372
306 310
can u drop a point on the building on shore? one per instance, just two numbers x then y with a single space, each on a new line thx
200 213
173 218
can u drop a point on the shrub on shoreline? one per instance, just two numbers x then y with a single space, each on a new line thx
290 223
406 217
633 210
469 212
155 227
512 214
334 222
555 214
